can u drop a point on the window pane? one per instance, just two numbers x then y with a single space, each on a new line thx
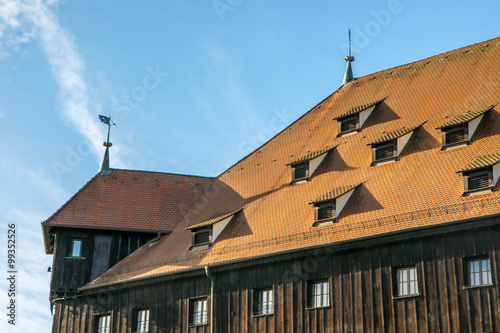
104 324
77 246
407 280
143 321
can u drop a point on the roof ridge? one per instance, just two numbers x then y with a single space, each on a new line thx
163 173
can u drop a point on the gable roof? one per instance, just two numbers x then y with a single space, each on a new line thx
395 197
129 200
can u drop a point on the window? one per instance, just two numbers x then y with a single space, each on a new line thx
142 321
348 124
198 311
455 135
319 294
478 272
202 236
104 324
324 210
407 281
478 180
75 248
300 171
384 151
263 302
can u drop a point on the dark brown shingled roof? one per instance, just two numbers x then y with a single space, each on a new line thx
358 109
464 118
393 135
395 197
211 221
481 162
312 155
334 194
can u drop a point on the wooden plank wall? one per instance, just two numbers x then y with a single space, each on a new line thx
361 287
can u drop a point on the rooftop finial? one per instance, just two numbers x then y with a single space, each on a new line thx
105 170
348 71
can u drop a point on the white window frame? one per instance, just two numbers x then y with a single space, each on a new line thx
104 324
407 281
478 272
263 302
142 324
198 311
319 294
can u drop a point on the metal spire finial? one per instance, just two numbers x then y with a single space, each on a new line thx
105 170
348 71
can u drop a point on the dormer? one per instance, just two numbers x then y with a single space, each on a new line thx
353 120
205 233
388 147
328 207
304 167
481 175
459 131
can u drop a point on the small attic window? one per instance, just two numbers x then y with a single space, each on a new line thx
324 211
478 180
202 236
385 151
300 171
455 135
348 124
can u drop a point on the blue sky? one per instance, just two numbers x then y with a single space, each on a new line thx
193 86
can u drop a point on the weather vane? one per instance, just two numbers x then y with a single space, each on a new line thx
105 170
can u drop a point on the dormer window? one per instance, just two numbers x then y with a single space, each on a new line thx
385 151
455 135
202 236
324 211
327 208
388 147
348 124
481 175
478 180
304 167
354 119
205 233
459 130
300 171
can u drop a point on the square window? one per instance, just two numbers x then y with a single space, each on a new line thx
455 135
202 236
324 210
141 324
407 280
478 271
348 124
318 294
104 324
300 171
198 311
384 151
75 247
263 301
478 180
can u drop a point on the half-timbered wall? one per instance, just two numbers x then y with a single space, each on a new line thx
362 292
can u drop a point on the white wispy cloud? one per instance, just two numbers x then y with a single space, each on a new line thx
22 21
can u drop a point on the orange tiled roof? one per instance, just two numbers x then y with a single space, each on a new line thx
311 155
358 109
464 118
481 162
211 221
393 135
395 197
334 194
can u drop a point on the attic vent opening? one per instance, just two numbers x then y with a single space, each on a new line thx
324 211
202 236
478 180
300 171
455 135
384 151
348 124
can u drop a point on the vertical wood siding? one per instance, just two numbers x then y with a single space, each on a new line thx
362 285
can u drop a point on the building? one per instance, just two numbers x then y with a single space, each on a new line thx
376 211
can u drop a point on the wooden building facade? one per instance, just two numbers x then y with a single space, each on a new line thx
362 295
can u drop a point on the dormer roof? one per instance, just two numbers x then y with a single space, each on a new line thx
334 194
212 221
358 109
393 135
311 155
464 118
480 163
